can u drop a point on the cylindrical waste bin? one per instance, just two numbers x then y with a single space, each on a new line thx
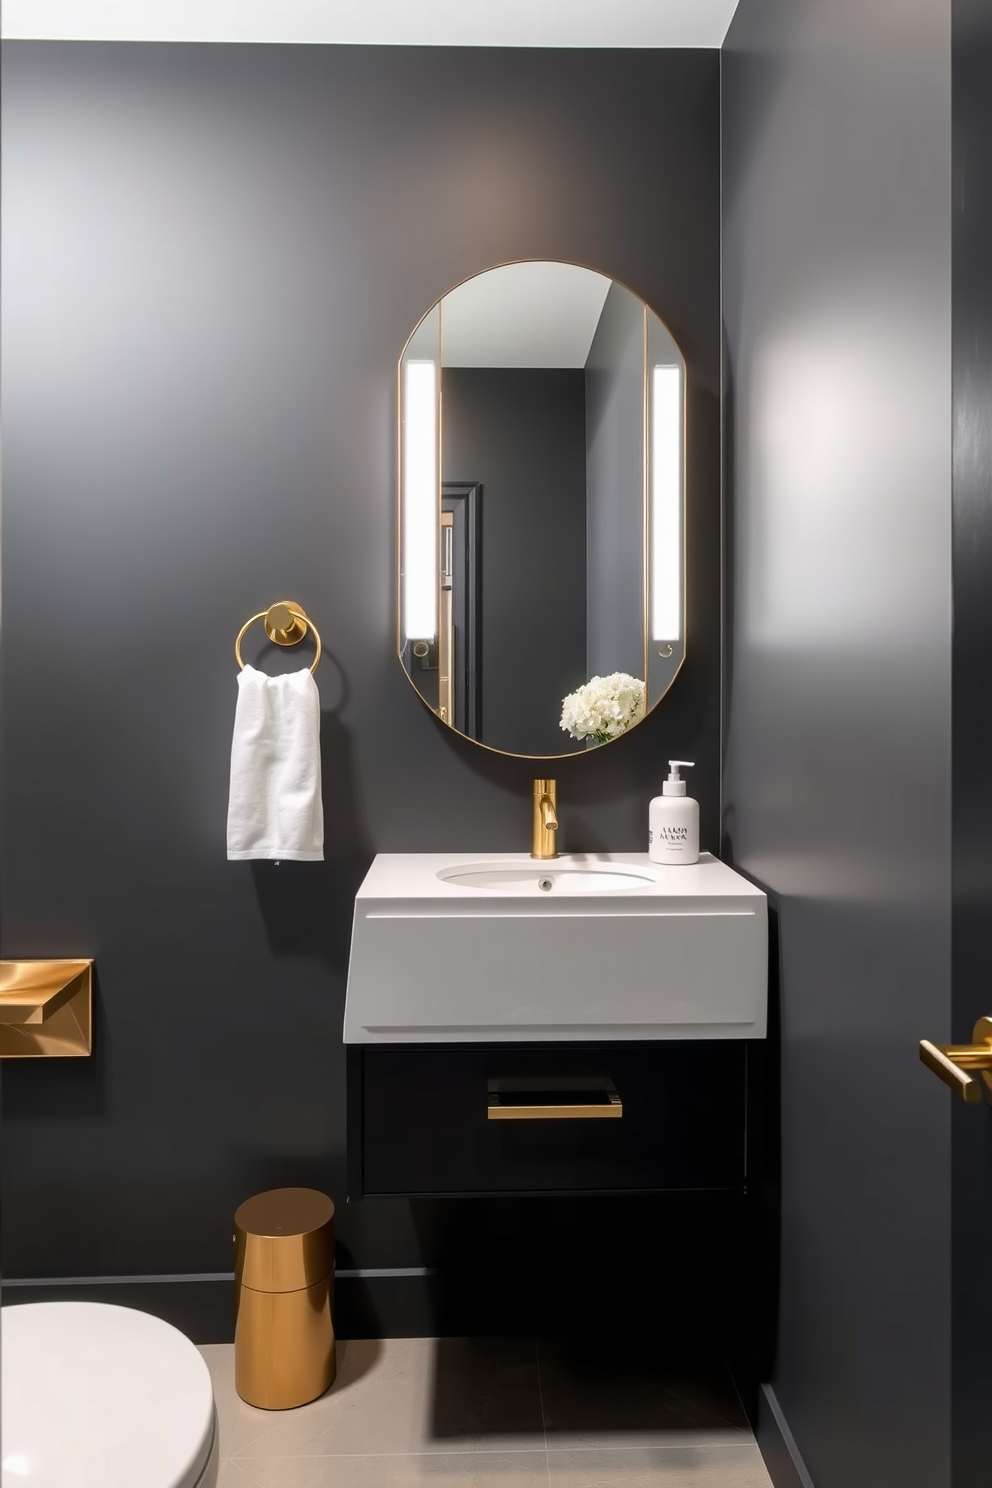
284 1268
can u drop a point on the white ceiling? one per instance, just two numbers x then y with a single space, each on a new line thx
558 23
523 315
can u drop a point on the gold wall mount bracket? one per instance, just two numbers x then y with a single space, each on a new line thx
286 623
46 1009
964 1068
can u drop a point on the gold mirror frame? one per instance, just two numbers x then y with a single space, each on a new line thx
648 314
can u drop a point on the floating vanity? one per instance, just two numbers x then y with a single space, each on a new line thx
544 1024
576 1025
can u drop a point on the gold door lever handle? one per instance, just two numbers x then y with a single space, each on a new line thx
953 1063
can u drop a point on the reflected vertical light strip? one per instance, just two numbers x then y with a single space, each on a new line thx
666 504
420 501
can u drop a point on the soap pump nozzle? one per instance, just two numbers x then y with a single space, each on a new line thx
675 785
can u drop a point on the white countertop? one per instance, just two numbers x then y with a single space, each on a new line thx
395 876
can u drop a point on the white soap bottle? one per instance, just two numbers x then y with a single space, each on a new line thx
673 821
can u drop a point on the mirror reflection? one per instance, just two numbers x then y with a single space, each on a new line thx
541 509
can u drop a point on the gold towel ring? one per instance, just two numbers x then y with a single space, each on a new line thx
285 624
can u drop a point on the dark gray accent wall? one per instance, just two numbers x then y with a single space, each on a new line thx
212 259
972 413
521 432
615 488
837 304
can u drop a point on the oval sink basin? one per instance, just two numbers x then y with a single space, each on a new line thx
547 878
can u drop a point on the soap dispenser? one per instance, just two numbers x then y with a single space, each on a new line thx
673 820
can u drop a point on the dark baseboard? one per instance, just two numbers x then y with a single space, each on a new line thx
203 1310
414 1302
364 1306
777 1445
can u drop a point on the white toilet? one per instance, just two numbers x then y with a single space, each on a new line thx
103 1397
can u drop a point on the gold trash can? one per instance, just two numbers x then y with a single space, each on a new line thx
284 1268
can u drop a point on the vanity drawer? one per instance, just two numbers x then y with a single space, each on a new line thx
446 1119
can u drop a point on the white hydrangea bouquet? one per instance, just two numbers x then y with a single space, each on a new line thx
604 708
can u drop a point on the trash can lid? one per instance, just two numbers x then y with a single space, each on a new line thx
284 1239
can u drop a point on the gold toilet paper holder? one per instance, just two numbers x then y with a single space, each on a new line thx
46 1009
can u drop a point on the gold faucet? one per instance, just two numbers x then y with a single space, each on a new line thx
544 843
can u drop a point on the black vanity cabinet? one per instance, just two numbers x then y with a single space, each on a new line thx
463 1119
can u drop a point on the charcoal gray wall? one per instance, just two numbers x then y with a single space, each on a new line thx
213 257
615 488
837 302
972 1366
521 431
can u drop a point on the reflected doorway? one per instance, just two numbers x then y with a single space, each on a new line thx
460 638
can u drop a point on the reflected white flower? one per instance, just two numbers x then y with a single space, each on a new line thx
604 708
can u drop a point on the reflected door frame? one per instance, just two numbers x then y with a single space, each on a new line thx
463 500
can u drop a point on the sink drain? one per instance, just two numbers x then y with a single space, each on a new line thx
546 884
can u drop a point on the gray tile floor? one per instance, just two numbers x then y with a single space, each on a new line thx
488 1413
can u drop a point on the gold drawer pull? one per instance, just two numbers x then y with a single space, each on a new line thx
552 1103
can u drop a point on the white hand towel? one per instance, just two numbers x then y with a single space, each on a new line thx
275 808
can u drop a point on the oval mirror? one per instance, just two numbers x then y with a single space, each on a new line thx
542 521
